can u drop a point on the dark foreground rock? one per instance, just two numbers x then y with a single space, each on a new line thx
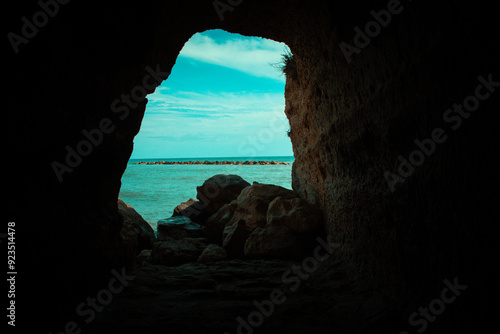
136 233
268 191
234 237
214 227
178 227
273 242
193 209
220 297
213 253
294 213
174 252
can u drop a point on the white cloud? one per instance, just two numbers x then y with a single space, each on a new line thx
250 55
211 115
218 105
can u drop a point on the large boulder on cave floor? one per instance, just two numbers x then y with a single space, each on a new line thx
219 190
178 227
136 233
174 252
273 242
193 209
295 213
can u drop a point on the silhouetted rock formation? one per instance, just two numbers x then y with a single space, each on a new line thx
136 233
241 210
219 190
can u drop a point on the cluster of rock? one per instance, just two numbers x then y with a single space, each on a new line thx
213 163
233 219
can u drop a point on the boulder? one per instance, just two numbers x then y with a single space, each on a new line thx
213 253
136 233
214 227
193 209
250 211
273 242
178 227
267 191
219 190
234 238
174 252
295 213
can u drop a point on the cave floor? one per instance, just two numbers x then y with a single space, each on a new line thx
208 298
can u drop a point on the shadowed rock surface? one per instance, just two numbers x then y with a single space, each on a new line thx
296 214
178 227
136 232
273 242
213 253
208 298
220 190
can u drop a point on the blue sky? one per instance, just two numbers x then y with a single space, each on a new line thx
222 99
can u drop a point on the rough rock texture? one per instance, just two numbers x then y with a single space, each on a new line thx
234 222
234 237
183 206
213 253
214 227
275 242
136 232
193 209
295 213
350 121
179 299
174 252
219 190
178 227
267 192
250 211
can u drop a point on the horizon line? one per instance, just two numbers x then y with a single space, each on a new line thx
259 156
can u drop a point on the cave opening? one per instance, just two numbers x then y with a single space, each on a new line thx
220 111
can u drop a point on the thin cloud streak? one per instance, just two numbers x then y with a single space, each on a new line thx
251 56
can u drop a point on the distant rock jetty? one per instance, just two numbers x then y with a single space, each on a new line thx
212 163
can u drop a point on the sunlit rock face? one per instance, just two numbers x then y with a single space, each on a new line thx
352 120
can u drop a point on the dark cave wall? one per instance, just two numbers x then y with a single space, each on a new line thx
349 122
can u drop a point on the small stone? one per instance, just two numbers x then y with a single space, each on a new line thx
213 253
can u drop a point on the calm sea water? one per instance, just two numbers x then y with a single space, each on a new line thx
155 190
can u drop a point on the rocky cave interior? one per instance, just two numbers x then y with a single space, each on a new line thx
349 123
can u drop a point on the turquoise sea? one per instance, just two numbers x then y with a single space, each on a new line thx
155 190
